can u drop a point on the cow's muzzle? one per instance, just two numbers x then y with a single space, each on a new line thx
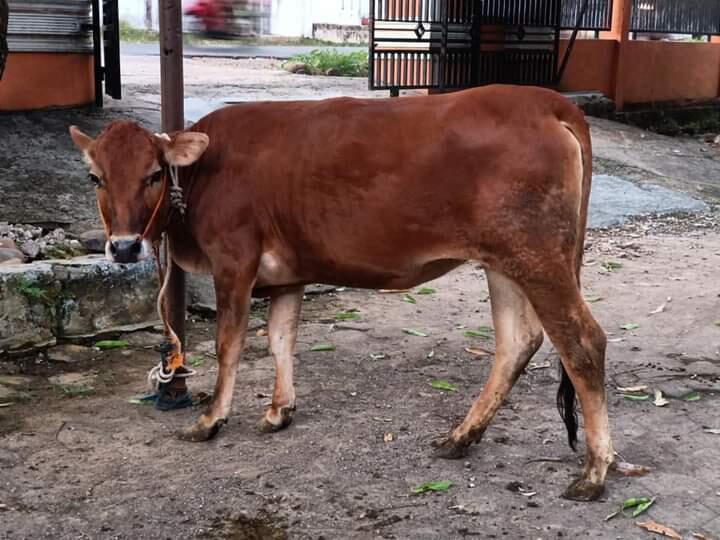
125 250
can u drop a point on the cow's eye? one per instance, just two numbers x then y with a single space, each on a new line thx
94 179
154 178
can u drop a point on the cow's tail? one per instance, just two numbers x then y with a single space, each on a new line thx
566 398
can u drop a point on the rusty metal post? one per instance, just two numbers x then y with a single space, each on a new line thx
173 118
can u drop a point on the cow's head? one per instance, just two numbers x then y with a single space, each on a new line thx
128 166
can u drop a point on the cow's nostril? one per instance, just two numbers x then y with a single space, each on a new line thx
137 246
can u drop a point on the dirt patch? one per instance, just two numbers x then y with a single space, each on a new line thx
98 466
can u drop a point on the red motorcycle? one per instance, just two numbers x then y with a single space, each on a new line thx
221 19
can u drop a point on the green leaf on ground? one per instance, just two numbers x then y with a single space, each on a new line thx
593 299
196 361
483 332
634 502
349 315
640 508
409 299
108 344
377 356
323 347
692 396
636 397
413 332
441 485
138 401
630 326
611 266
425 290
443 385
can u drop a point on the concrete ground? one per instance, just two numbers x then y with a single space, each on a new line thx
78 460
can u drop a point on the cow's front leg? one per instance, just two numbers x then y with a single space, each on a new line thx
233 307
285 304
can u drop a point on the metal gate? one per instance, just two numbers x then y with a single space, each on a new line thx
452 44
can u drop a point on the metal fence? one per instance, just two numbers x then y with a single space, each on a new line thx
676 16
598 14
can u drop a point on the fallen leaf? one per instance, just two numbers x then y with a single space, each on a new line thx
700 536
638 388
8 404
661 307
137 401
692 396
261 332
377 356
611 266
108 344
615 340
527 493
349 315
630 326
630 469
392 291
196 361
484 332
636 397
640 508
323 347
610 516
593 299
712 431
534 365
441 485
477 351
425 290
431 354
655 527
443 385
633 502
413 332
409 299
388 437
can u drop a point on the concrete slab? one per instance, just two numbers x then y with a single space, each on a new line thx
614 200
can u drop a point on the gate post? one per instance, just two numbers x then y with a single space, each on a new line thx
620 32
173 118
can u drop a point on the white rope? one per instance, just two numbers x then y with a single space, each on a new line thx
158 374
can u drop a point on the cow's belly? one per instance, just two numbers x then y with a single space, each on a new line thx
274 271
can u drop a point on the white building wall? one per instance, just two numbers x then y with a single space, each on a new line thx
292 18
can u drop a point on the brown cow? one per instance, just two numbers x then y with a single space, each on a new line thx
376 193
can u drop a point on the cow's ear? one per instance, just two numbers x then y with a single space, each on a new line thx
183 148
82 141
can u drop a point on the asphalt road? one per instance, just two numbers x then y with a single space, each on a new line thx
230 50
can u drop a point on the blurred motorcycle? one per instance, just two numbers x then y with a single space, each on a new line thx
223 19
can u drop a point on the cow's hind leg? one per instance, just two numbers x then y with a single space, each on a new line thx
518 335
232 290
581 344
285 307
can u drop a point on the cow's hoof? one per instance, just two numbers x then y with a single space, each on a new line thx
450 449
583 491
272 421
200 431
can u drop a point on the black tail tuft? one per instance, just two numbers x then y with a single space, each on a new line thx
567 406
